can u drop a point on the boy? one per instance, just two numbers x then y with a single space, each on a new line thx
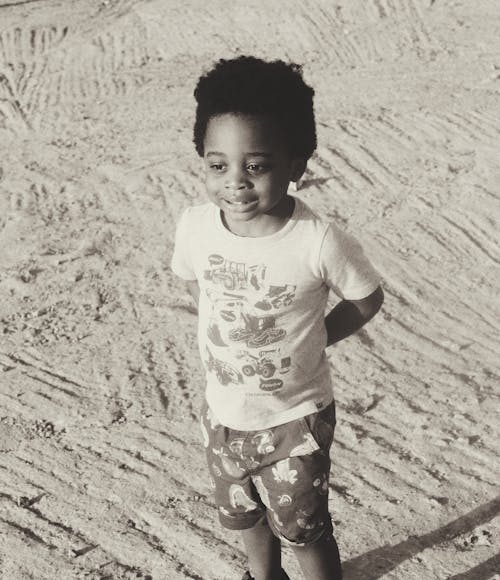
260 265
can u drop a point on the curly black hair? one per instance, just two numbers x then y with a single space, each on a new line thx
252 86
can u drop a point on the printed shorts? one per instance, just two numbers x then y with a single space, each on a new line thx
281 473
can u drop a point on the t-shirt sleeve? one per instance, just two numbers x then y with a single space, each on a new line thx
344 267
181 263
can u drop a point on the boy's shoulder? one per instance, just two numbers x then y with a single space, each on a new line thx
197 219
313 220
333 238
306 213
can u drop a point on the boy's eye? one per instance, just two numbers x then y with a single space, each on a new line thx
217 166
255 167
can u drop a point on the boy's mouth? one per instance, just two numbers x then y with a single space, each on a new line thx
243 205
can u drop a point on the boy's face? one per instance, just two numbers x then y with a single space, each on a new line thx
247 173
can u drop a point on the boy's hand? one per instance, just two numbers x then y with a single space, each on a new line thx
350 315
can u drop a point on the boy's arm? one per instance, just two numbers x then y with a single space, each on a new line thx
194 290
348 316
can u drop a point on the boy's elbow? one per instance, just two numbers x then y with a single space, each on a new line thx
377 299
370 305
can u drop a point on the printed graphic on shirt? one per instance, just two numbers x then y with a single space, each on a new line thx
257 331
271 385
234 275
225 372
277 296
243 309
226 309
265 363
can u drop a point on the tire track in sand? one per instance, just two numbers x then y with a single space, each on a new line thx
355 44
12 114
23 63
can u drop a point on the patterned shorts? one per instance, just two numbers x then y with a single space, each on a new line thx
281 472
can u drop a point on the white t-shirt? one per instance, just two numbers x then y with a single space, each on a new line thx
262 304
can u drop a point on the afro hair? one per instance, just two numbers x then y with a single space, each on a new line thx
250 86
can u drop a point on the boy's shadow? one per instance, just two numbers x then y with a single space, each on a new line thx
380 561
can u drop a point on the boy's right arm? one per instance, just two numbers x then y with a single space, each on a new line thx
194 290
181 262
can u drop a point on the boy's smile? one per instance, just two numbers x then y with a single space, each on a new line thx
247 173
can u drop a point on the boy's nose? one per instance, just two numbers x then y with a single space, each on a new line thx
236 179
235 185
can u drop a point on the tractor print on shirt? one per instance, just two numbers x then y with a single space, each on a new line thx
234 275
263 364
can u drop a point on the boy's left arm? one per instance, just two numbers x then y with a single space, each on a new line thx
348 316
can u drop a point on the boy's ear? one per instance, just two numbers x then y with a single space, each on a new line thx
297 169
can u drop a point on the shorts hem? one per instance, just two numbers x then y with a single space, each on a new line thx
325 530
239 522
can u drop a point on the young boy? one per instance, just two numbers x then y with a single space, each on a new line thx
260 265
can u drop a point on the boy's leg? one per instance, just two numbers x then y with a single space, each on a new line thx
238 503
295 491
320 560
263 551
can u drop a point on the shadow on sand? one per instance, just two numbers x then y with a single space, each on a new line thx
380 561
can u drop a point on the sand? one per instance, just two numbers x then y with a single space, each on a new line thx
102 474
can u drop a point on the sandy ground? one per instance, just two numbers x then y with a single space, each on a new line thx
102 473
